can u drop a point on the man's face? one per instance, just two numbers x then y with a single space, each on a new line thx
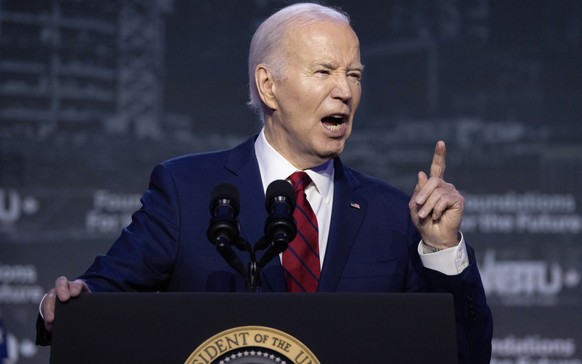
317 97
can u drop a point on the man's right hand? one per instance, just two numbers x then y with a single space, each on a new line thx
64 290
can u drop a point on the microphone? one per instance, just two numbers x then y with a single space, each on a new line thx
223 228
224 208
280 227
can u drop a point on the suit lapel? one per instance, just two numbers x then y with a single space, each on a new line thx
242 162
349 209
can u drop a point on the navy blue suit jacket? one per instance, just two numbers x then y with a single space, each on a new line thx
372 242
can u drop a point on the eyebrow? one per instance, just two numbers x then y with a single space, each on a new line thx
330 65
326 65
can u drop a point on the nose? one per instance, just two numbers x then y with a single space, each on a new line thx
342 89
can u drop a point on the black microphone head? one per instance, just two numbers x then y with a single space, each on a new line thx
280 190
280 227
221 193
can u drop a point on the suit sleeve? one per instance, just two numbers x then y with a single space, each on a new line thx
474 322
141 259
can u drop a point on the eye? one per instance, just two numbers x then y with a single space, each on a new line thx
356 76
323 72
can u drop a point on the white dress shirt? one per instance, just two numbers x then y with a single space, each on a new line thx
273 166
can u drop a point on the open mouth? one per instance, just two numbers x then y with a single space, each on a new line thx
334 122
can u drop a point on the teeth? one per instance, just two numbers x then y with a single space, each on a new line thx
333 127
333 122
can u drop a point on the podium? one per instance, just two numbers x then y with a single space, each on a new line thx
237 328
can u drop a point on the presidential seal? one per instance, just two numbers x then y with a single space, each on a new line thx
252 345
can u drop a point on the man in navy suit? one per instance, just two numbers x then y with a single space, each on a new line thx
305 72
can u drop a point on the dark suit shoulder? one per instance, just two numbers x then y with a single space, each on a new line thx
196 159
208 161
373 186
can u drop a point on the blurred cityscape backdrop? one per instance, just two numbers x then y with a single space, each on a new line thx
94 93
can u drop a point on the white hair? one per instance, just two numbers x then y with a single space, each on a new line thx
268 42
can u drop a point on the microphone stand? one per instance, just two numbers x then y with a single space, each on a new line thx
252 274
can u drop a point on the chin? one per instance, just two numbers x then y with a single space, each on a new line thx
331 154
330 148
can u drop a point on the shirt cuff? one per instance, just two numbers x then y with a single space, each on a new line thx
40 305
450 261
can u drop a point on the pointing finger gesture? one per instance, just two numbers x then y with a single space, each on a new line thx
436 207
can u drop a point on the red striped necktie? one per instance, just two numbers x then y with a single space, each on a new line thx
301 259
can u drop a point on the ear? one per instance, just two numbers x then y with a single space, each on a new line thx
265 86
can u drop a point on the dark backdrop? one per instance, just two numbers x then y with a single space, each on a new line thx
94 93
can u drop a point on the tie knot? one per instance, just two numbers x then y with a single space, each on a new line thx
299 180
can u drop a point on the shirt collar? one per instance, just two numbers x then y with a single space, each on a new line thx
273 166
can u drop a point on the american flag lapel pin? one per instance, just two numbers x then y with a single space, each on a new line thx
355 205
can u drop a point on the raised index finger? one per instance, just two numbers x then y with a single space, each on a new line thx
437 167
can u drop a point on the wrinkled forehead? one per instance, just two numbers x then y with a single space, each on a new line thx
324 37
